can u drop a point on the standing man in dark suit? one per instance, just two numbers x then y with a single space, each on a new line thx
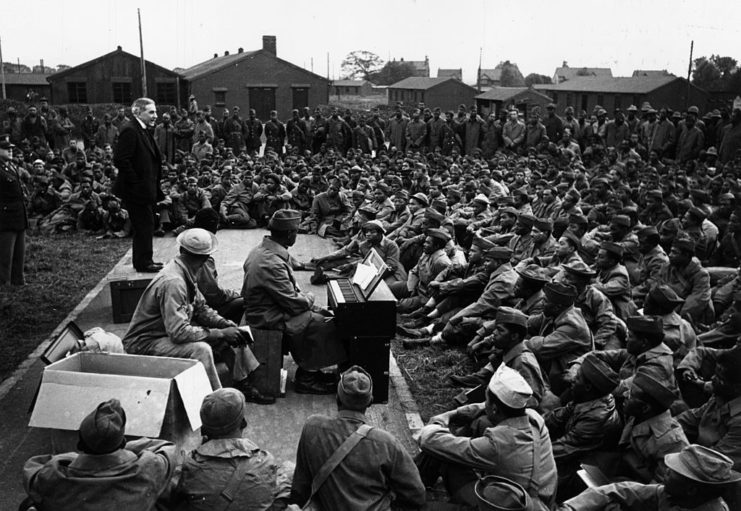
13 220
139 163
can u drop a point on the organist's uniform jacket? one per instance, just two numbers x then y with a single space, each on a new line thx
273 301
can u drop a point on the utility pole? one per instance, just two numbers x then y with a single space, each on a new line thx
141 49
312 64
2 68
689 75
478 74
327 65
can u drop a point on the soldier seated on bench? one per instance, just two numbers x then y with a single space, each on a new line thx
172 319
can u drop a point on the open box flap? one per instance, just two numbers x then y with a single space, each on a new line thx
65 399
193 386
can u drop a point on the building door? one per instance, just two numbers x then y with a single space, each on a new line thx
300 98
262 99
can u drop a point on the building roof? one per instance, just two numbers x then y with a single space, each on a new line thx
619 85
349 83
494 75
119 51
569 73
507 93
652 72
422 83
214 64
26 78
452 73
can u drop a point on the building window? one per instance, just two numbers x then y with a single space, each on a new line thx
219 97
77 92
555 97
584 102
167 93
601 100
122 93
618 101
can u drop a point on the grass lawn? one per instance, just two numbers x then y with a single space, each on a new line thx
426 371
60 270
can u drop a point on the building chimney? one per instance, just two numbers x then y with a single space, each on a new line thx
565 64
269 44
216 55
226 53
118 48
241 50
42 65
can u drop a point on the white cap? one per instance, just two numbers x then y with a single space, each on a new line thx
198 241
510 387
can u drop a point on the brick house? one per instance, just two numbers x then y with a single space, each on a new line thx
447 93
114 78
255 79
585 93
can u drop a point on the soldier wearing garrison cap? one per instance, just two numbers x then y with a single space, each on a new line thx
522 242
561 333
376 472
209 471
608 330
651 262
613 279
690 280
645 351
650 431
498 291
502 437
585 423
454 288
679 335
273 301
106 473
414 292
504 338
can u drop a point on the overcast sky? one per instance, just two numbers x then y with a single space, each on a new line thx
623 35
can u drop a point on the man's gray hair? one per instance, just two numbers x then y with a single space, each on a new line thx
140 104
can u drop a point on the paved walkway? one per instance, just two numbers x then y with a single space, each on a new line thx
275 428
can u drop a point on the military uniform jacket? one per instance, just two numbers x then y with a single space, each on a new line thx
129 478
522 360
522 247
649 441
580 428
657 362
498 289
692 283
716 424
559 340
12 207
650 266
505 449
615 284
599 315
271 294
425 271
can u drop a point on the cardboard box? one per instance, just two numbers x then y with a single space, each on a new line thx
162 396
125 296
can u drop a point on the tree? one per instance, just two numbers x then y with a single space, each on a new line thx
393 72
62 67
360 64
511 75
535 78
716 73
11 67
